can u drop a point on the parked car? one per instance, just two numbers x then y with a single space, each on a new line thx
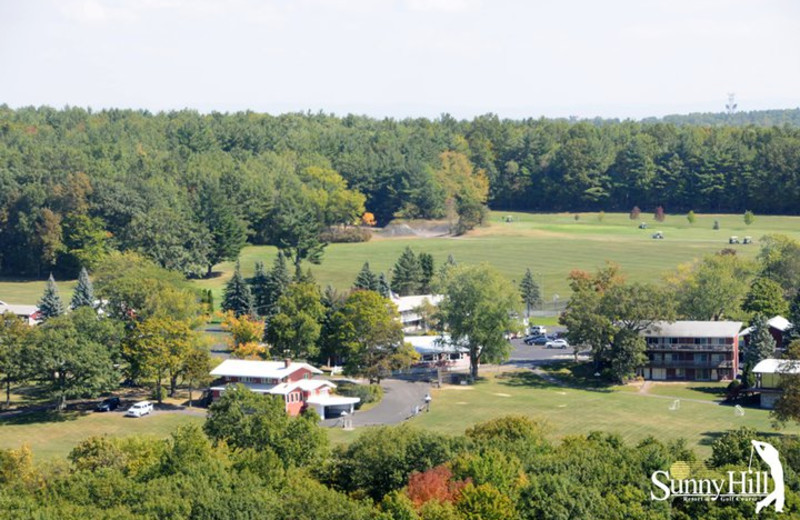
109 404
537 330
557 343
531 338
541 340
139 409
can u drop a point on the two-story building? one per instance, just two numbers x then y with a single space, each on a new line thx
408 307
692 350
294 383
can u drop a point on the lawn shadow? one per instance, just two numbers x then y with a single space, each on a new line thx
523 379
708 438
39 417
718 391
577 375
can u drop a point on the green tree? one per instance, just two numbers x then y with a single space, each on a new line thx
70 360
765 297
371 335
780 261
13 336
407 274
476 309
466 190
383 286
270 288
366 279
627 354
297 326
246 419
84 291
485 502
228 233
86 241
50 306
427 271
712 288
297 233
260 290
529 290
749 217
691 217
237 297
761 344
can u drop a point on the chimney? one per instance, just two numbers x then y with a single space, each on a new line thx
287 362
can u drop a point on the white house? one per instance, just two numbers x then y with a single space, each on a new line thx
438 351
768 378
407 307
29 313
292 382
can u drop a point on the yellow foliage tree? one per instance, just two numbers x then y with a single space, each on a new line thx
246 336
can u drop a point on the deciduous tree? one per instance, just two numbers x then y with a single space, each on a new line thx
297 326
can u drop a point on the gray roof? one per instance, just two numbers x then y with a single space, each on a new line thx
693 329
777 366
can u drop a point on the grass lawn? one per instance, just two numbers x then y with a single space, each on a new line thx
51 435
575 410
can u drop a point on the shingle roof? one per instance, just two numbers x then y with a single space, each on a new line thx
694 329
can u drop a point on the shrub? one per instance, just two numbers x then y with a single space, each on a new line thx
749 217
691 217
716 224
346 235
659 214
635 212
367 393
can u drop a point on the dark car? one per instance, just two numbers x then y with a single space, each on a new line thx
107 405
541 340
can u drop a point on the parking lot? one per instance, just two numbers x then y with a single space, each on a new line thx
523 352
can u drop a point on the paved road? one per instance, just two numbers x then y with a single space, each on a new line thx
396 406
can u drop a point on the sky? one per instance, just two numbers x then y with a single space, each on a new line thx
403 58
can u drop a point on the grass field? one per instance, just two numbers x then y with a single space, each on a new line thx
570 410
51 435
551 245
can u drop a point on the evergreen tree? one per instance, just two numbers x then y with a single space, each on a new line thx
529 290
278 279
407 274
237 297
427 267
366 279
50 306
260 288
794 319
761 344
84 291
383 286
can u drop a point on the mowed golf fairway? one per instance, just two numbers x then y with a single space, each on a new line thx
572 411
551 245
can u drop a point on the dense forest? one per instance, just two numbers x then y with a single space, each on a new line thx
188 189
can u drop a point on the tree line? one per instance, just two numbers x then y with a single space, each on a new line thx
189 190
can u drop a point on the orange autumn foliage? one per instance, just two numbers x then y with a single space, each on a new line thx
434 484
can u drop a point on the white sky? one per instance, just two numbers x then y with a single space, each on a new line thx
612 58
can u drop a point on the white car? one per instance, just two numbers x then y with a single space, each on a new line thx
557 343
139 409
537 330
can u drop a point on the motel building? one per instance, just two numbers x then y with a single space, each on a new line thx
692 351
294 383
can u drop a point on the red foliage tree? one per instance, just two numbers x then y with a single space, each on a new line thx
660 216
635 212
434 484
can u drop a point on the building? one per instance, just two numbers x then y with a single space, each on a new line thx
692 350
778 326
29 313
438 351
292 382
768 374
408 307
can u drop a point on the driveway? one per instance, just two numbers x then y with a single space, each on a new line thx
399 399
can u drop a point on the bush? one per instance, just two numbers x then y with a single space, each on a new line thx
367 393
346 235
716 224
635 212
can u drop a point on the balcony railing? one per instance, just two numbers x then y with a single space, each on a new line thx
668 363
689 348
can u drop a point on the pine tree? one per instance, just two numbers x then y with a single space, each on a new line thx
761 344
237 297
84 291
407 274
427 267
366 279
50 306
261 292
278 279
383 286
529 290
